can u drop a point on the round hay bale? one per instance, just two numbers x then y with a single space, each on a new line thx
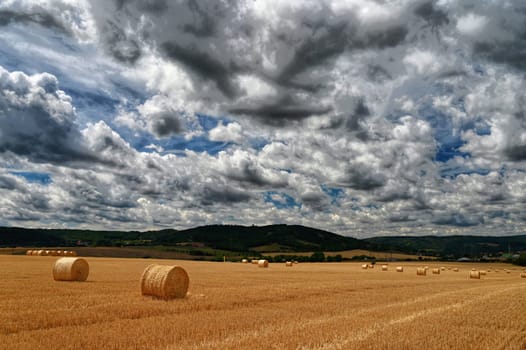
399 269
60 253
523 275
34 252
384 267
72 253
370 266
164 282
288 263
41 252
474 274
53 252
254 261
421 271
436 271
455 269
426 267
244 261
70 269
364 266
295 262
263 263
442 268
29 252
482 273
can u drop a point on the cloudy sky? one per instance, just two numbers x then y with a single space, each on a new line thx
361 117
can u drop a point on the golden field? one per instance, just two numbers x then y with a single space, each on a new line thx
241 306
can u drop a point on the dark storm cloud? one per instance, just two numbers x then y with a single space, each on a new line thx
516 153
204 25
249 173
512 53
281 111
435 17
361 179
377 73
459 220
7 183
383 39
360 113
326 42
41 18
37 121
149 6
119 45
204 65
316 201
223 194
40 138
165 124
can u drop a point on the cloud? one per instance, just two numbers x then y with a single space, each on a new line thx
37 120
365 117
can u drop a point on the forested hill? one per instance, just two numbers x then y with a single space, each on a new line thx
283 238
272 238
453 246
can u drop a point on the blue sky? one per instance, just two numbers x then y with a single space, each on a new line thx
364 118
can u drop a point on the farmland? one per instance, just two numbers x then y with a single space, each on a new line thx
236 306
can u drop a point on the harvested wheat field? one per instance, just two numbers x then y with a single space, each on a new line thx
241 306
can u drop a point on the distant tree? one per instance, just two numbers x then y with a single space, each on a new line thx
334 258
521 260
317 257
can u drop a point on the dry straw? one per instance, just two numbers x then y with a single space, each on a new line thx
71 269
263 263
474 274
288 263
399 269
436 271
165 282
421 271
384 268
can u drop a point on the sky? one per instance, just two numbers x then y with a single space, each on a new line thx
360 117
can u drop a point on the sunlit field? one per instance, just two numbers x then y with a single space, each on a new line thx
241 306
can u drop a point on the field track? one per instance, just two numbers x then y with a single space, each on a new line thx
236 306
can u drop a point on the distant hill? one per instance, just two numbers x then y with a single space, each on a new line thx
279 238
217 240
453 246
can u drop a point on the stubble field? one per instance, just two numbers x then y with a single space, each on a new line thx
241 306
